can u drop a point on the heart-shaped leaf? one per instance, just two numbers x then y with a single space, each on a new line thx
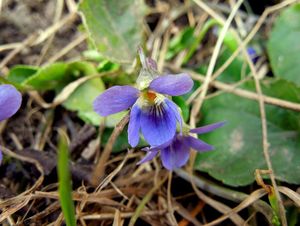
284 45
115 27
239 143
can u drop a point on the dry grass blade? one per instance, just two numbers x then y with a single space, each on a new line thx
212 63
264 127
58 13
291 194
109 178
123 215
7 212
169 201
117 218
222 208
32 161
100 167
68 48
141 206
28 41
226 193
245 93
89 198
51 208
250 36
253 197
21 200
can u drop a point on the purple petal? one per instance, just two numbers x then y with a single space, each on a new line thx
174 108
158 124
1 156
160 147
208 128
197 144
134 125
115 99
149 156
176 155
174 85
10 101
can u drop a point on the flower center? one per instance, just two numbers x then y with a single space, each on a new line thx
150 96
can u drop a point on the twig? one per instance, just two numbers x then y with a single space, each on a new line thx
226 193
219 206
109 178
240 92
99 169
212 64
265 137
250 36
169 200
28 41
103 216
68 48
58 12
50 30
21 200
254 196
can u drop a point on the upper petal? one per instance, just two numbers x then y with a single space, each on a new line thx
115 99
197 144
10 101
176 155
134 125
158 124
207 128
174 85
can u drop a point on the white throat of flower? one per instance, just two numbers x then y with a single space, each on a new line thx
150 98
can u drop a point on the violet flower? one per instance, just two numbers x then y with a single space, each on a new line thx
253 54
152 112
175 153
10 102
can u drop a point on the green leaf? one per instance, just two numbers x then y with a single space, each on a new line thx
236 71
115 27
81 100
114 119
238 145
284 46
50 77
181 41
81 68
230 40
64 181
19 73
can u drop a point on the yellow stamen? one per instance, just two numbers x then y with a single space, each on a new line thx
151 96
